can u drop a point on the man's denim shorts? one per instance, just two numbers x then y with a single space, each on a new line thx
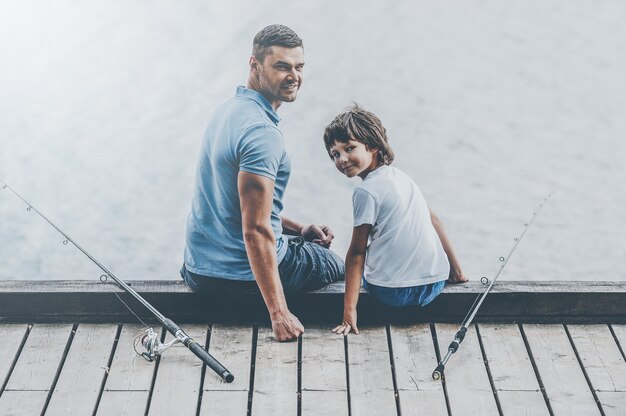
405 296
305 267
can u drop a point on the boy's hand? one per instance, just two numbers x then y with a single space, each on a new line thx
348 325
457 276
321 234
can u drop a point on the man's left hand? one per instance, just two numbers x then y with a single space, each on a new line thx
318 234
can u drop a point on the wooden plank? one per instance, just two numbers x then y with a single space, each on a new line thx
93 301
603 363
79 383
22 402
177 385
11 336
511 370
562 377
371 382
225 402
118 403
620 334
129 372
324 386
467 381
324 403
600 357
415 358
276 376
232 346
613 403
40 358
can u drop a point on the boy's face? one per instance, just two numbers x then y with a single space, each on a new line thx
353 158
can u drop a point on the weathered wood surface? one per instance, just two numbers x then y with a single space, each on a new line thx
177 386
604 364
511 370
371 381
415 358
562 355
93 301
562 377
276 376
232 346
80 380
324 387
128 382
29 384
11 336
467 381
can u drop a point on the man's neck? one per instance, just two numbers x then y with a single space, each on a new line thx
253 85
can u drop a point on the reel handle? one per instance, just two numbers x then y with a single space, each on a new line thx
211 362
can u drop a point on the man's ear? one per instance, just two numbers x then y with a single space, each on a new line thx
254 64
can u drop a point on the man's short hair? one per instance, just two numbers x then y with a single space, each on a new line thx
274 35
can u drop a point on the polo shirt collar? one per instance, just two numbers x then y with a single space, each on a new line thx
260 100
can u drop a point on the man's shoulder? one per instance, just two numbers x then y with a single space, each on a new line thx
244 112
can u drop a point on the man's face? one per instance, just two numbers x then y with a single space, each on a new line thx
280 75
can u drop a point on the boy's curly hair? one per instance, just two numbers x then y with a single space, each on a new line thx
363 126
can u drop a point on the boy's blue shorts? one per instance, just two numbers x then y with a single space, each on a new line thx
405 296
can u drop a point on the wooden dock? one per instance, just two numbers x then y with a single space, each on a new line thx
77 367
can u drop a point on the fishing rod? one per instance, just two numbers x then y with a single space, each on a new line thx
460 334
149 339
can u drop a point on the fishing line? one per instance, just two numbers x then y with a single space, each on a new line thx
469 317
149 338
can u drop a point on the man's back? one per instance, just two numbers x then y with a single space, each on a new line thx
241 136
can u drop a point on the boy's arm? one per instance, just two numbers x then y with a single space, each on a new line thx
319 234
255 194
456 273
355 263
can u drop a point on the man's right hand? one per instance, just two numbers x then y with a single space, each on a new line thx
286 326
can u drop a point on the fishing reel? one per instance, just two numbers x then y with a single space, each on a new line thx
152 344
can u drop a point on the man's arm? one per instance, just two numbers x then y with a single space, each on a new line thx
255 195
456 273
319 234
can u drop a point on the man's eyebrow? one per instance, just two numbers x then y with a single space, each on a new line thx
288 64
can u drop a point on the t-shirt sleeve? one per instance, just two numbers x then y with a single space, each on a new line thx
365 208
261 150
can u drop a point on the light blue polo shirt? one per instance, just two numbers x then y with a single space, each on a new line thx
242 136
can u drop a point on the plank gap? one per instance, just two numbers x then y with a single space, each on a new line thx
299 376
347 360
109 363
16 358
393 370
154 374
619 345
433 334
584 370
255 337
207 341
535 369
484 354
66 351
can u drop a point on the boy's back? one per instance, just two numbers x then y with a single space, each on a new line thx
404 248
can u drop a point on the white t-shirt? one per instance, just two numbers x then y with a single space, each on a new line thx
404 249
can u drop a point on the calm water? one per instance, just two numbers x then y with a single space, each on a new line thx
489 105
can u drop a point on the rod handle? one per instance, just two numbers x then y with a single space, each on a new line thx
438 373
210 361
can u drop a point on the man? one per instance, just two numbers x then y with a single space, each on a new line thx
236 243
